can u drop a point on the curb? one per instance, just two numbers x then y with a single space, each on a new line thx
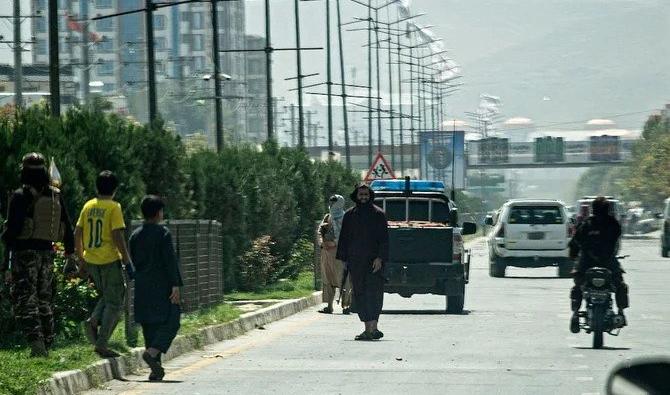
642 237
74 381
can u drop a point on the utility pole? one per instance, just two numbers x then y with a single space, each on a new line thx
412 121
268 71
391 95
293 124
379 93
312 134
54 60
301 115
402 140
347 147
370 82
18 53
217 76
329 80
85 56
151 60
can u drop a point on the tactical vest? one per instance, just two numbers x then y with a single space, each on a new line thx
43 218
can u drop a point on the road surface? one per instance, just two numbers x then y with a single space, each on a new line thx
513 339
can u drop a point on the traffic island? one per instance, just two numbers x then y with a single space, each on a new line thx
94 375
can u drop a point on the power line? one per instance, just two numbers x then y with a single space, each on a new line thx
548 125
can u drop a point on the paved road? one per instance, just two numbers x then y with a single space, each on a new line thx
514 339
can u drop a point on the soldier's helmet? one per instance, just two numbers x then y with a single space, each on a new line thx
33 160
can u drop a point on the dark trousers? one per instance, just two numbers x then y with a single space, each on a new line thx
621 293
31 291
159 335
368 292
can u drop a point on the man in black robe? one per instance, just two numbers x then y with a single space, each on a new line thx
364 246
157 282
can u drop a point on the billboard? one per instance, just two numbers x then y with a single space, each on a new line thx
443 157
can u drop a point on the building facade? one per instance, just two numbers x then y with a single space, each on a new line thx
117 56
257 90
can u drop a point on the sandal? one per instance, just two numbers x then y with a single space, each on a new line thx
326 310
365 336
377 334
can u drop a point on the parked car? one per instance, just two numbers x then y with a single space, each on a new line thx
530 233
665 236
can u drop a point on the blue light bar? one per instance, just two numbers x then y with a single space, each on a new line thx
414 185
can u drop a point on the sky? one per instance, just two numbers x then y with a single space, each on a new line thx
555 61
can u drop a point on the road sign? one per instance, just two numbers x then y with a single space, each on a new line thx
380 169
549 149
494 150
605 148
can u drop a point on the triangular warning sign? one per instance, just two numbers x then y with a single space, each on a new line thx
380 169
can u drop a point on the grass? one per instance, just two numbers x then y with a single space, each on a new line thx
20 374
190 323
289 289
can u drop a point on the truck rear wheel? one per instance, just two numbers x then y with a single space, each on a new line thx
665 252
455 304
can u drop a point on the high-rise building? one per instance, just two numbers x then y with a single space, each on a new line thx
257 90
183 52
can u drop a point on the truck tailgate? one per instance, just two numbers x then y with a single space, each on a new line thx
408 245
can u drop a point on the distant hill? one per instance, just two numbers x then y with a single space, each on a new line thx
592 58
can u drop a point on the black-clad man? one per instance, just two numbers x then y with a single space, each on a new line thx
364 245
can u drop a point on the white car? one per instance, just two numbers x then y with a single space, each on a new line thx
530 233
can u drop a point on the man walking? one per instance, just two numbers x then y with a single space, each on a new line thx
36 219
332 270
157 282
364 245
100 242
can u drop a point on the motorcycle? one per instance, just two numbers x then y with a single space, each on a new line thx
599 317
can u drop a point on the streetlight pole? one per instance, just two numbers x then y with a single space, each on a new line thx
151 60
54 60
329 81
268 71
301 115
370 82
347 147
18 60
217 76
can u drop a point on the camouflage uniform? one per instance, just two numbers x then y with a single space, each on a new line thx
32 294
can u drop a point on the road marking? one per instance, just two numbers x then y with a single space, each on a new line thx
583 379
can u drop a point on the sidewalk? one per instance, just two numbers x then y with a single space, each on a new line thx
260 313
644 236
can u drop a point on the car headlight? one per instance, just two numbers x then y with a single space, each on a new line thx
598 282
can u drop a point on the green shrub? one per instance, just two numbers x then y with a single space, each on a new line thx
257 264
73 301
300 260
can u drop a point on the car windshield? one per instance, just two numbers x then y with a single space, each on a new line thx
535 215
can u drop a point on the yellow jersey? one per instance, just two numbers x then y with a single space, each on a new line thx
98 219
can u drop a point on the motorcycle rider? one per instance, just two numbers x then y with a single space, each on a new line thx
596 242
